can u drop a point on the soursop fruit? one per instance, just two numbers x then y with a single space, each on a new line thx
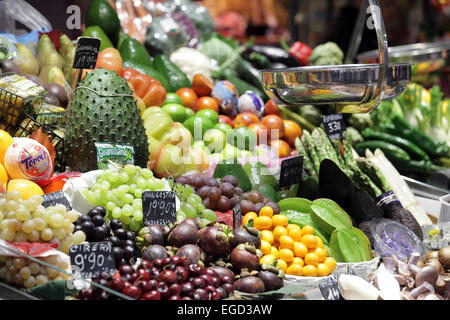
96 116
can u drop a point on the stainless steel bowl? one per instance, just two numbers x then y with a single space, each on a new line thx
349 84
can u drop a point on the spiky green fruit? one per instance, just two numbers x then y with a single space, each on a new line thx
103 110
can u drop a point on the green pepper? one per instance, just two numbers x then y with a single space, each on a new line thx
177 78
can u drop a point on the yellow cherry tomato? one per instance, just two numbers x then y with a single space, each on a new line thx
299 261
249 216
321 253
292 226
286 242
331 263
280 220
267 235
311 258
307 230
309 241
266 211
286 255
319 242
263 223
268 258
274 251
310 271
265 247
295 234
279 231
295 270
322 270
282 265
300 250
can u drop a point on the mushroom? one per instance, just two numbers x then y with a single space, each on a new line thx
424 287
441 283
429 255
435 263
410 282
390 264
428 274
412 263
403 269
400 279
444 256
429 296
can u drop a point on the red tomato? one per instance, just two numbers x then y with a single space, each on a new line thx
226 119
207 103
188 97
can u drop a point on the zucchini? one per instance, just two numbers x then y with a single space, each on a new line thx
389 149
414 166
406 145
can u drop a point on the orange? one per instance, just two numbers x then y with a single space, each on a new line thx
286 255
295 234
319 242
265 247
245 119
278 232
268 258
321 253
299 261
261 132
282 265
275 125
263 223
286 242
271 108
310 271
300 250
266 211
311 258
307 230
207 103
274 251
26 188
295 270
188 97
280 220
249 216
291 131
322 270
292 226
5 141
331 263
309 241
281 147
267 235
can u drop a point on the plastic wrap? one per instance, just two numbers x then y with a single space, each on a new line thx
20 10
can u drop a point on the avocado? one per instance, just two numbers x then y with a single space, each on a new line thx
101 13
363 208
97 32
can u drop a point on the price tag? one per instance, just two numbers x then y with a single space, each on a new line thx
334 126
89 259
159 207
291 171
122 154
86 52
54 198
329 288
237 216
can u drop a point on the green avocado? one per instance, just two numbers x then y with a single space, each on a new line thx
131 50
101 13
97 32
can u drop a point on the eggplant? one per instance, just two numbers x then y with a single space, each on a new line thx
52 100
274 54
58 91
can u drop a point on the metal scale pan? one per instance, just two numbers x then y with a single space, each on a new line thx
353 88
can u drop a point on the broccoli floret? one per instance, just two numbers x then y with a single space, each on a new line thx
326 54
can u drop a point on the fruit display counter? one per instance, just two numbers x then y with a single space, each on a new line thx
165 172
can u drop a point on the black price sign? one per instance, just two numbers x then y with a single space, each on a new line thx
159 207
237 216
291 171
329 288
54 198
86 52
89 259
334 126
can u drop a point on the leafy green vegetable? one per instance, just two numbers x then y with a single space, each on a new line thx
326 54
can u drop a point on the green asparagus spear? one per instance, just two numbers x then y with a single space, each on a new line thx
309 147
377 177
307 163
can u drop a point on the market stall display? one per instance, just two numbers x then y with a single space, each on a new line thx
161 164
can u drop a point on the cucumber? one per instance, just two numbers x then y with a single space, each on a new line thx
406 145
388 149
328 215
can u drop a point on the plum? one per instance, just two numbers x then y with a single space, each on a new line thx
249 284
182 234
215 239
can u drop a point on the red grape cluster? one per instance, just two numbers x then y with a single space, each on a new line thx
163 279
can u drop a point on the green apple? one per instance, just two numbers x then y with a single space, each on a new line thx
208 114
176 111
215 140
223 127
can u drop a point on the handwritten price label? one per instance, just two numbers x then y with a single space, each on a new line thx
89 259
334 126
159 207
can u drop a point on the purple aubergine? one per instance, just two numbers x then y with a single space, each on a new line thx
215 239
249 284
190 253
182 234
